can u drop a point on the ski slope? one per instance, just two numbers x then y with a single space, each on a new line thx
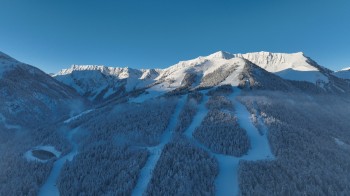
78 116
227 180
260 148
49 188
155 152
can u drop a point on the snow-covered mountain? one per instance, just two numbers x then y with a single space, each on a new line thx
216 69
343 73
224 124
293 66
98 82
28 95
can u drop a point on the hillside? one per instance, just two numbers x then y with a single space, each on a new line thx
222 124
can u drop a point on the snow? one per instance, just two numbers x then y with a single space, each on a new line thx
29 155
78 116
7 125
198 118
93 79
233 78
155 152
227 180
11 126
260 147
7 63
309 76
292 66
345 69
172 77
221 55
275 62
148 94
108 93
344 73
49 187
341 143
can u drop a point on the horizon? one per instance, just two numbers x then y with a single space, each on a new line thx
156 34
70 66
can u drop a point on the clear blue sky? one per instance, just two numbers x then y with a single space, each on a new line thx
158 33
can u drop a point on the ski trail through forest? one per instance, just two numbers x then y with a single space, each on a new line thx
155 152
49 187
259 144
227 180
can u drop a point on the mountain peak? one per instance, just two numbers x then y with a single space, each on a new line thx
345 69
221 54
99 68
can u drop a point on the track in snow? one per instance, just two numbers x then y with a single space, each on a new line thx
7 125
78 116
227 180
260 148
155 152
50 188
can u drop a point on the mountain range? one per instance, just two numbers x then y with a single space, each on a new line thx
98 82
224 124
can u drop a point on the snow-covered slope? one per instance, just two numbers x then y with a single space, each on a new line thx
201 67
276 62
293 66
28 95
217 69
100 82
344 73
8 64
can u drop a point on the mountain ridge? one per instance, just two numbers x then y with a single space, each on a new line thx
26 93
293 66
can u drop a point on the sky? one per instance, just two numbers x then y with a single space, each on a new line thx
53 35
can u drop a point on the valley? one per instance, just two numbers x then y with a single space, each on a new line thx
223 124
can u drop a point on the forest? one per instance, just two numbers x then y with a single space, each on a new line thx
302 128
307 132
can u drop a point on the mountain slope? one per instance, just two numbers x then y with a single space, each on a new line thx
214 70
212 118
100 82
344 73
293 66
29 96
